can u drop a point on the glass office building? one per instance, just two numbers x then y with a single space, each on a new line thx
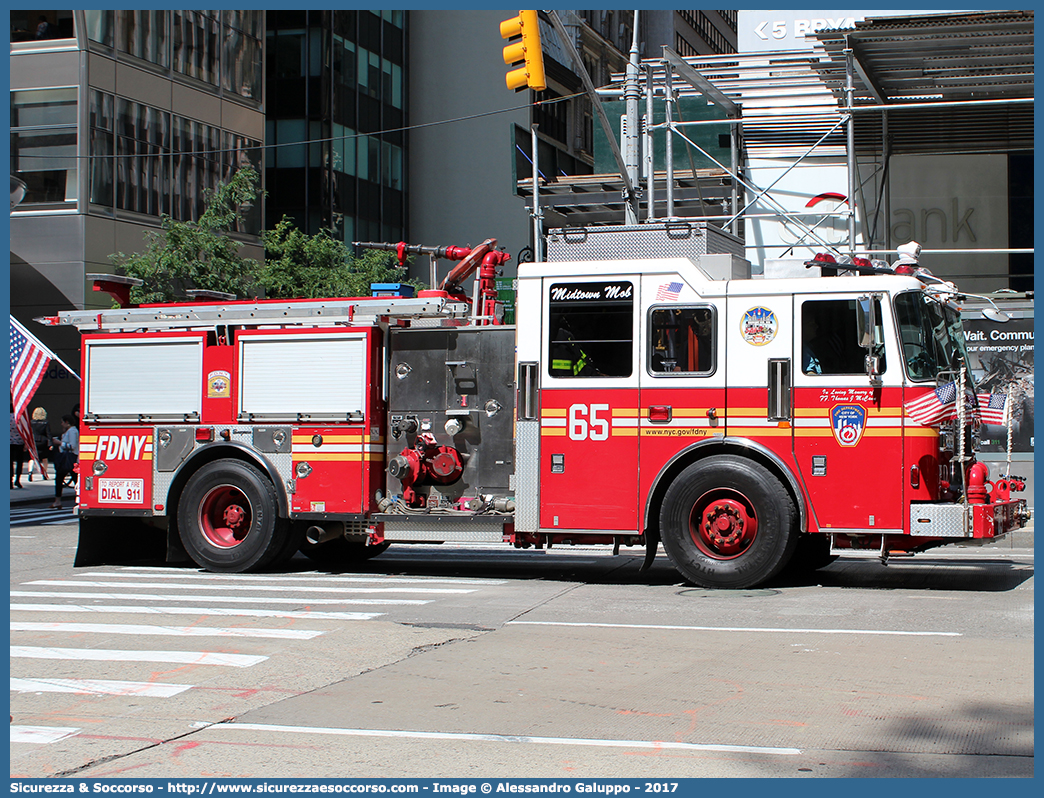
335 122
117 118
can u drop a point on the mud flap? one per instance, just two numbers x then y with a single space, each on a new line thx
652 541
108 541
92 544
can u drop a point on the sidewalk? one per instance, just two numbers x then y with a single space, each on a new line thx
39 490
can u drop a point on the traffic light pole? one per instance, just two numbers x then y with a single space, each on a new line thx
538 217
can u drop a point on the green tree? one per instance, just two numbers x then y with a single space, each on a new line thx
301 265
202 254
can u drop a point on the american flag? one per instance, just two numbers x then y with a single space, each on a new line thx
993 408
25 429
935 406
29 359
668 291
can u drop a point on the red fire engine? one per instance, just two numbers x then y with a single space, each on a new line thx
747 424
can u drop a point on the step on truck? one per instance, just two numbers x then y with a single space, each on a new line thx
747 424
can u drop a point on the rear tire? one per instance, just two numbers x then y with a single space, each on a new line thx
227 518
727 522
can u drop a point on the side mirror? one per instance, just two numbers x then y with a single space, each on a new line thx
866 321
866 324
873 367
996 315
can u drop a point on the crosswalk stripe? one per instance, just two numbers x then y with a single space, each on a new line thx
115 655
28 517
41 735
269 588
309 577
97 687
224 599
164 631
133 609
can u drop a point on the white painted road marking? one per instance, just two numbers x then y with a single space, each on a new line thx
167 631
116 655
41 735
98 687
276 588
507 738
225 599
740 629
238 613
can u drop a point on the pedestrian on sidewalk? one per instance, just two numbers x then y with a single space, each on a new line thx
17 452
65 457
42 435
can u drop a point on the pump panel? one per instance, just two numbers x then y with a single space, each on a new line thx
450 413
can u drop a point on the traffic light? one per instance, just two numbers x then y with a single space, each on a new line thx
524 33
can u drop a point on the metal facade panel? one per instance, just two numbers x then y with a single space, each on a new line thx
144 377
527 475
302 374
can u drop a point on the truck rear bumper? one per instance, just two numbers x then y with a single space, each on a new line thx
968 520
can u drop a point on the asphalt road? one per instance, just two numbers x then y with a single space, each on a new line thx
467 662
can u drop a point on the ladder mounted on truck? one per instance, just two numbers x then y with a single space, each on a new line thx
360 311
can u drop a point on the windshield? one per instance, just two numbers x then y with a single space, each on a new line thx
931 335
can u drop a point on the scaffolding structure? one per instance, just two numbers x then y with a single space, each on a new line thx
953 84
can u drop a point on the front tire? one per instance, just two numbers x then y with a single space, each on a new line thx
727 522
228 520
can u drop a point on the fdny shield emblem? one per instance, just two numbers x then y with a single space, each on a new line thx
848 423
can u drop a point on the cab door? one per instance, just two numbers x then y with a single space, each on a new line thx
682 374
848 429
589 403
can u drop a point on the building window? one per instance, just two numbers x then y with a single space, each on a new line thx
101 27
553 117
682 46
708 32
101 129
220 48
43 144
730 18
241 54
145 35
681 340
195 45
591 329
142 158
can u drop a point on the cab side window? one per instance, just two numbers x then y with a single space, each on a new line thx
681 340
591 328
829 337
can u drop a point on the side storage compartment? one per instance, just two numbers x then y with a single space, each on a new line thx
319 382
